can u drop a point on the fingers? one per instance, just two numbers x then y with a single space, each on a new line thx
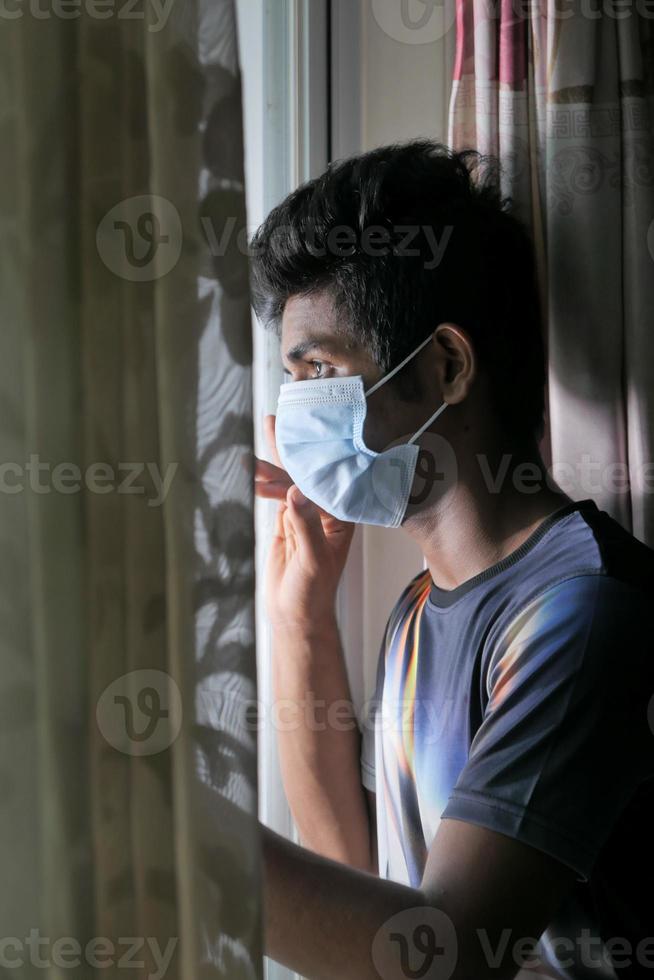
304 518
290 541
264 470
270 481
278 529
269 432
283 543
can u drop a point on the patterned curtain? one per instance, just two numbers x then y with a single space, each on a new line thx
128 830
564 95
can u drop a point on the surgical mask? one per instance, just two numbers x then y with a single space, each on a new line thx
319 436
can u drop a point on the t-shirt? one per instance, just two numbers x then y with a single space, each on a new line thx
523 701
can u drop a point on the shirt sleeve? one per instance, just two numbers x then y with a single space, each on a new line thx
564 738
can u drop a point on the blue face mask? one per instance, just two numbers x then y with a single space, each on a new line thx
319 435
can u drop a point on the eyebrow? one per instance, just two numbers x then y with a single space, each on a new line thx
297 352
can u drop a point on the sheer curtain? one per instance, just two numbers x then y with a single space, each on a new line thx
564 95
128 815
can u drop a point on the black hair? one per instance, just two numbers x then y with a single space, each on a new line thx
366 230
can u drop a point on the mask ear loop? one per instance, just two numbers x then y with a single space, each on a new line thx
420 431
399 367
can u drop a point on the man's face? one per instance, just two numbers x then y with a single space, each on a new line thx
314 346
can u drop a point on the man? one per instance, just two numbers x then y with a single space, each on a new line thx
504 790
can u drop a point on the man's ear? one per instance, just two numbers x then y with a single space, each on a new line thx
457 361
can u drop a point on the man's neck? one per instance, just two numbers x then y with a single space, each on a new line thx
473 529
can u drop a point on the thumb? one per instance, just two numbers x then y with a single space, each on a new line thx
305 519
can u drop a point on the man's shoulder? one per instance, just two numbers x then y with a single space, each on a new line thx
590 626
586 544
586 579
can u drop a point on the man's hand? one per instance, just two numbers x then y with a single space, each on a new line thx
308 550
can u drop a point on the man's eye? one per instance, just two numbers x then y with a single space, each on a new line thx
318 368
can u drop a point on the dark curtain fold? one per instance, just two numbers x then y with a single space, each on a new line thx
564 96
